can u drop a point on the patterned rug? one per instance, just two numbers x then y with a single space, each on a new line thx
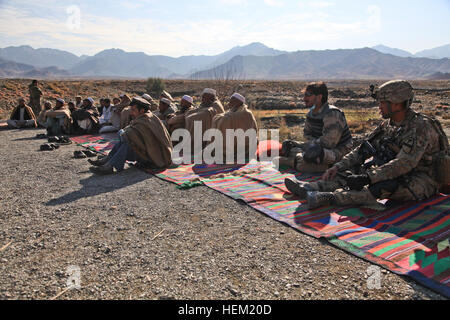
101 143
410 239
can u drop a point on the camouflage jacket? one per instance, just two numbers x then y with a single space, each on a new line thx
328 128
413 142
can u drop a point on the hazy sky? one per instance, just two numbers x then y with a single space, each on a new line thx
178 28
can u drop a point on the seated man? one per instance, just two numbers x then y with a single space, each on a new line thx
121 112
78 102
42 117
165 111
153 103
59 120
86 118
22 116
238 116
404 149
204 114
178 120
328 137
72 106
105 120
145 140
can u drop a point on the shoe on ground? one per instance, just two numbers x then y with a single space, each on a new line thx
102 170
98 162
79 154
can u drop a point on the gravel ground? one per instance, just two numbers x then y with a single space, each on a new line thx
134 236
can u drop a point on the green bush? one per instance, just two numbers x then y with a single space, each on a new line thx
155 86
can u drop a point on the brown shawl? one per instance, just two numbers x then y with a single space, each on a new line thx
239 118
149 139
28 114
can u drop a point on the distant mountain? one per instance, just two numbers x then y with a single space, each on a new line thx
363 63
11 69
40 58
435 53
396 52
439 76
116 62
253 49
253 61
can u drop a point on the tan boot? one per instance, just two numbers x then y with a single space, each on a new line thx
317 199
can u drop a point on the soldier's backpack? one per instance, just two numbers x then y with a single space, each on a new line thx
441 161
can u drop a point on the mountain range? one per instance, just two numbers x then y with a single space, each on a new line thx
253 61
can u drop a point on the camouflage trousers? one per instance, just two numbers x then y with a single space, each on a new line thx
411 187
330 157
35 104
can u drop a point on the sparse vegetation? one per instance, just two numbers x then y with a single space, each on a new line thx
155 86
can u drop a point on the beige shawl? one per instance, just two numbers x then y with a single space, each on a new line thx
149 139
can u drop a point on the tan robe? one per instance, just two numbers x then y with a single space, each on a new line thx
238 118
28 110
149 139
120 116
178 121
65 112
205 115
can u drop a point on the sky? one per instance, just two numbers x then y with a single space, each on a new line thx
203 27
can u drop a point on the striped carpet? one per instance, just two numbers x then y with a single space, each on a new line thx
411 239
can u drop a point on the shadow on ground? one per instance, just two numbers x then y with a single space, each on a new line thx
95 185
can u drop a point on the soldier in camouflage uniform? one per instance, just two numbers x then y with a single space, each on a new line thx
404 146
35 97
328 137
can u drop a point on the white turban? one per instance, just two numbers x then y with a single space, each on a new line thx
60 100
90 100
209 91
239 97
166 101
188 99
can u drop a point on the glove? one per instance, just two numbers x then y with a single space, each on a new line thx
357 181
314 154
286 147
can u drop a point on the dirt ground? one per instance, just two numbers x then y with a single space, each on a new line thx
134 236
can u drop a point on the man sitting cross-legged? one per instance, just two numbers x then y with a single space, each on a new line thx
22 116
145 140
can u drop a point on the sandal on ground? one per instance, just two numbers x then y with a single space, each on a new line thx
79 154
90 153
53 139
47 147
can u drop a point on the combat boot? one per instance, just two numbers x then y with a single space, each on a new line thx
298 188
317 199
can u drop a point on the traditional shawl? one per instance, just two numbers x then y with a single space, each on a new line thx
28 114
239 118
63 111
149 139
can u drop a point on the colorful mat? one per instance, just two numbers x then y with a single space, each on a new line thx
101 143
410 239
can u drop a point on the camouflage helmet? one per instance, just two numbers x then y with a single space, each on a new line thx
395 91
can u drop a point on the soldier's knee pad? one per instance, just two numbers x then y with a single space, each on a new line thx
388 186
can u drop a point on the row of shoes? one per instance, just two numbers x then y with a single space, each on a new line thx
60 139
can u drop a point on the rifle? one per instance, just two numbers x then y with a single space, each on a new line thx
388 151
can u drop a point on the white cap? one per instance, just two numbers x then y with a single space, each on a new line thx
209 91
239 97
147 96
188 99
90 100
60 100
166 101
